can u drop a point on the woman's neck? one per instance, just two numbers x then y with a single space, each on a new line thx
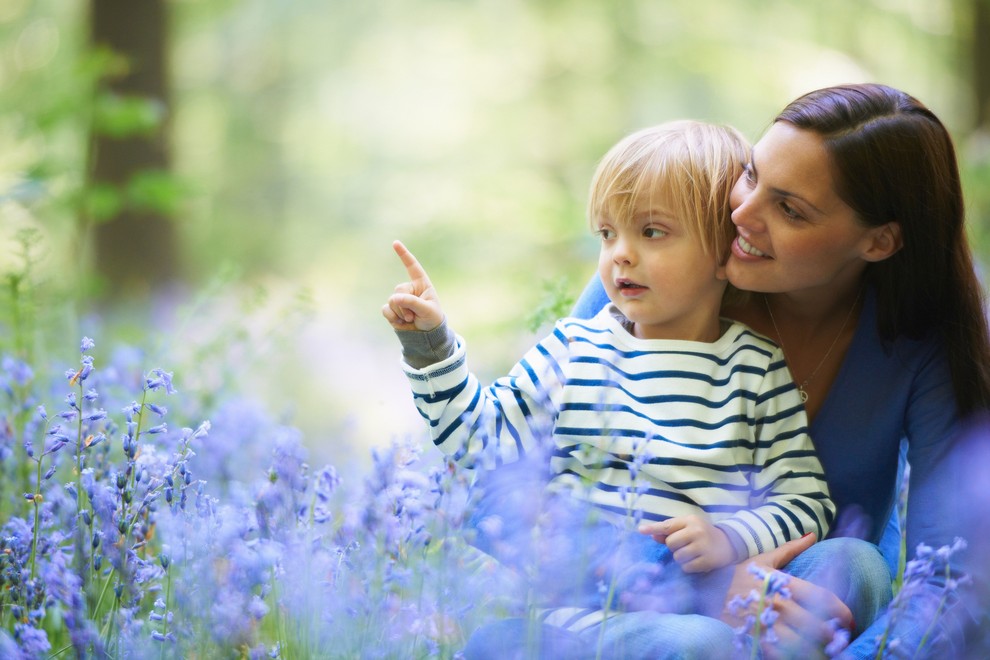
814 331
802 316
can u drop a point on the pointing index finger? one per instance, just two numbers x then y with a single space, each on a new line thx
413 268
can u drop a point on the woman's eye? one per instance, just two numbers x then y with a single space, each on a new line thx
654 232
748 173
790 211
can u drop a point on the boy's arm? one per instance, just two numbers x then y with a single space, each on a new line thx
499 423
421 349
495 424
789 493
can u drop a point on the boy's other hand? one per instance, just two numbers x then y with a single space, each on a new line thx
697 545
414 305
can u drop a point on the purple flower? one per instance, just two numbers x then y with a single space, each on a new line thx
86 344
840 639
327 481
32 641
18 371
8 647
161 379
257 608
161 411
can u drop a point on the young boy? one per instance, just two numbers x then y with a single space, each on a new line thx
657 395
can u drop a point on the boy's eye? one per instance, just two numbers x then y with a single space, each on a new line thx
605 233
654 232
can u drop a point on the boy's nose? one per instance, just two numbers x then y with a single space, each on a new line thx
623 252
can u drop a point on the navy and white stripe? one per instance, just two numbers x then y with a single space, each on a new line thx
666 427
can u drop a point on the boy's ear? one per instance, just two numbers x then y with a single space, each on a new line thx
720 273
884 241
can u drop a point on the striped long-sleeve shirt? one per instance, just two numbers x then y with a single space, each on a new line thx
666 427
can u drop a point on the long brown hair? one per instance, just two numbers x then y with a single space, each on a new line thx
893 160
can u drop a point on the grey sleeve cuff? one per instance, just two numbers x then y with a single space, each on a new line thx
421 349
737 542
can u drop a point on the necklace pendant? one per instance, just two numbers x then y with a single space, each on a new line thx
803 394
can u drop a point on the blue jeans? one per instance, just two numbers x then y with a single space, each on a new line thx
628 635
852 569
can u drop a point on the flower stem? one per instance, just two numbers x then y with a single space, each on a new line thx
754 651
938 611
168 593
37 520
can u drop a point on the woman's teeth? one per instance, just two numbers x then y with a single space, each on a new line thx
749 249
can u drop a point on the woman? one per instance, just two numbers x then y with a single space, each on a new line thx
851 238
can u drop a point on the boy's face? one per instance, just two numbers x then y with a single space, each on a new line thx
658 275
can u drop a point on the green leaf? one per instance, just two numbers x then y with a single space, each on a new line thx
155 190
102 201
126 116
556 303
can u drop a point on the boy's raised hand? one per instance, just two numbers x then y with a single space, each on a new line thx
414 305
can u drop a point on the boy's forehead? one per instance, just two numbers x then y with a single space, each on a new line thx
648 200
640 212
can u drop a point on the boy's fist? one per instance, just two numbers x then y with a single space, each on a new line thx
414 305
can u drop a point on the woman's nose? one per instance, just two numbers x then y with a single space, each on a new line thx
745 212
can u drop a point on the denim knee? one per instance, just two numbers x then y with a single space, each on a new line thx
518 639
852 569
671 636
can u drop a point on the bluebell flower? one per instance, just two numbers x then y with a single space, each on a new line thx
160 379
327 481
95 415
8 647
20 372
840 638
86 344
161 411
32 641
257 608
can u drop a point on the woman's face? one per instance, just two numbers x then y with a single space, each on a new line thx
793 231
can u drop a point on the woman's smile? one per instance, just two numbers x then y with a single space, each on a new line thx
748 248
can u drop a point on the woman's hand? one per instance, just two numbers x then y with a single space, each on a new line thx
696 544
414 305
802 626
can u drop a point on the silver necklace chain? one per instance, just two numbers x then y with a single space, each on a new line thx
801 391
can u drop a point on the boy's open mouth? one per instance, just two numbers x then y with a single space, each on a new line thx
628 284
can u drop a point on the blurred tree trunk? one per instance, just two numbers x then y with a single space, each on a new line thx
981 62
135 249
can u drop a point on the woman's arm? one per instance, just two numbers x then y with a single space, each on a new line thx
592 300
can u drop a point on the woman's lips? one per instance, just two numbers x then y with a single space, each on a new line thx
745 250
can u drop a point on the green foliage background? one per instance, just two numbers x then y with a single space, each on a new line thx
307 134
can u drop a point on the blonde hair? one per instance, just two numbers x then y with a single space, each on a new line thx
691 165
